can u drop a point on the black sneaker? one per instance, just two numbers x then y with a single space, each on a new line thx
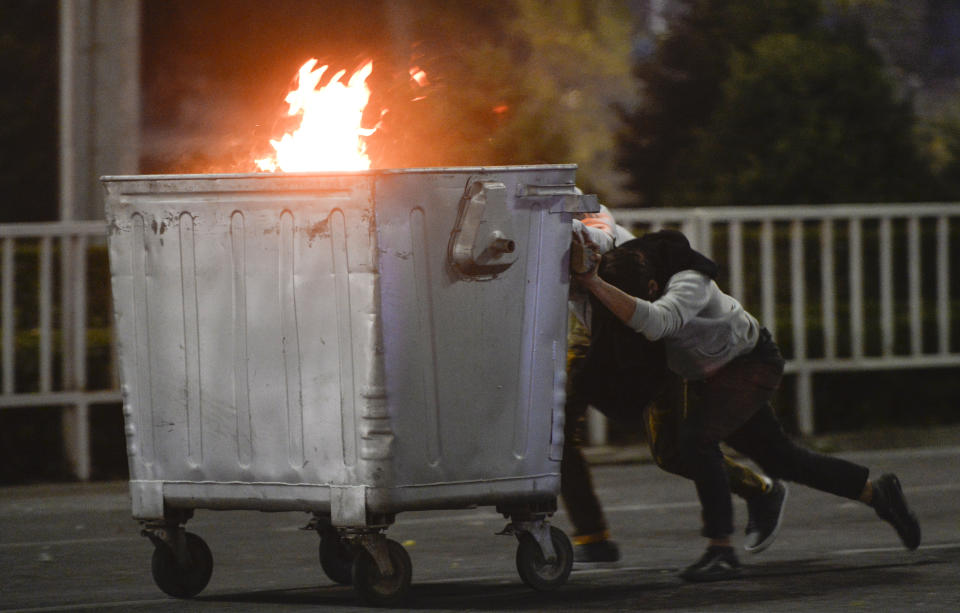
717 564
604 551
765 514
892 508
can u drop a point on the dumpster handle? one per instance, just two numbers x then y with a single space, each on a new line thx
481 244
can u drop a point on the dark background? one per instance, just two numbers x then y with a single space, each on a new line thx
214 74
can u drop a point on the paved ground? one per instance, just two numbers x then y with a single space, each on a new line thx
75 548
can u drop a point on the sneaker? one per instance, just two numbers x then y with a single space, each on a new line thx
717 564
892 508
604 551
765 514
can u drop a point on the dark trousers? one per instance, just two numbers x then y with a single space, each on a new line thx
733 406
576 485
664 420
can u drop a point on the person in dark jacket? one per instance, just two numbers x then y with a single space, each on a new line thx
666 290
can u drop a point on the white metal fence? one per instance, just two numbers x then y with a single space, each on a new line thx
866 287
851 287
44 326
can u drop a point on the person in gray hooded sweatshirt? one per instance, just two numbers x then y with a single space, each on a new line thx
731 367
625 377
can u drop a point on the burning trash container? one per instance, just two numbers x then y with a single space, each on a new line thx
352 345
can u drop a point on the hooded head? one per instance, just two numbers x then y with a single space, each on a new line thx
665 253
631 270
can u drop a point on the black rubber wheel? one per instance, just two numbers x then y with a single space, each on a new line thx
533 568
179 581
336 556
379 590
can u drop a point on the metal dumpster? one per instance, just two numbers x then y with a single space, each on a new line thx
352 345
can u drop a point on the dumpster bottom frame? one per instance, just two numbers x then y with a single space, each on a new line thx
380 569
347 504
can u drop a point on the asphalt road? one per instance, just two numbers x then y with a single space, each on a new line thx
75 548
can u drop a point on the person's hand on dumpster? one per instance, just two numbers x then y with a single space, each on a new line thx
621 304
584 255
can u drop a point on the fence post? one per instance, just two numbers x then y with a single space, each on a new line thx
75 417
798 302
943 285
76 439
7 286
805 402
596 427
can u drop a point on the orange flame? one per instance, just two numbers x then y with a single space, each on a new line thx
419 76
330 136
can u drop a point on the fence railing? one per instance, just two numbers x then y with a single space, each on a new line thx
866 287
843 288
45 326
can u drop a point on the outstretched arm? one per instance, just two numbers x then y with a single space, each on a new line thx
620 303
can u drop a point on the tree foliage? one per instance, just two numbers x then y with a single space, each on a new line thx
941 138
528 81
752 102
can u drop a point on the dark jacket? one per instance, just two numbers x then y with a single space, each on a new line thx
623 371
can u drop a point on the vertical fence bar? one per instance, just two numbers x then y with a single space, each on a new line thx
735 254
78 422
596 428
828 289
45 301
767 276
856 288
913 262
66 311
886 287
798 298
943 285
705 239
8 329
71 427
798 302
80 313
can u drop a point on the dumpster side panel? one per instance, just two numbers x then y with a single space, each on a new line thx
475 367
245 328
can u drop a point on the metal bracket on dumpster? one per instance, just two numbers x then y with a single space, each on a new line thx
348 505
482 243
172 535
564 198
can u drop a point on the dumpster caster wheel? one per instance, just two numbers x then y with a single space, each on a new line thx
377 589
336 556
183 581
535 570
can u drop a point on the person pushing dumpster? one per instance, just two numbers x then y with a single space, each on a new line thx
638 393
660 287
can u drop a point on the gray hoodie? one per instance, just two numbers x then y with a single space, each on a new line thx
702 327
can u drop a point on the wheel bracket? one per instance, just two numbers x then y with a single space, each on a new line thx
376 545
539 529
171 535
